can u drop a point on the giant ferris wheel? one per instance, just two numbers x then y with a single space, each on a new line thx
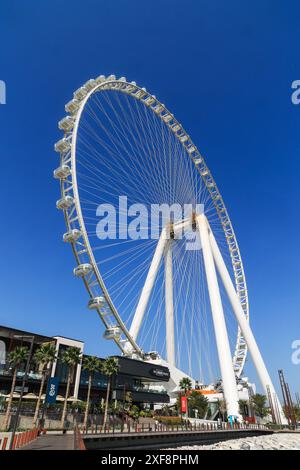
123 157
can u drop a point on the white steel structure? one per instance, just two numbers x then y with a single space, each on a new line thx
121 140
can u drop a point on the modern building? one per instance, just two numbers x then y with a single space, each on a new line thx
143 380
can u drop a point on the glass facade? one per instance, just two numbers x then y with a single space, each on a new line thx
99 381
134 376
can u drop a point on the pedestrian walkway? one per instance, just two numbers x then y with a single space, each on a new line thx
52 442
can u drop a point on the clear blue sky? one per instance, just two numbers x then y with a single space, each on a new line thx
225 69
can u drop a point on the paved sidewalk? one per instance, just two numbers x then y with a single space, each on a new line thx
52 442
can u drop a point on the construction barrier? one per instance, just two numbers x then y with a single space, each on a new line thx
20 439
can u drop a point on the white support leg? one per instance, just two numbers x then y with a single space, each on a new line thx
148 286
225 359
170 341
244 325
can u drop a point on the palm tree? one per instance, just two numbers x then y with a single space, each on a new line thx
222 408
259 404
109 367
198 402
244 407
44 357
185 384
71 357
127 401
297 412
91 364
16 358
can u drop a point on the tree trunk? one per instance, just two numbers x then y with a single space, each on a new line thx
87 402
6 421
38 403
106 401
65 402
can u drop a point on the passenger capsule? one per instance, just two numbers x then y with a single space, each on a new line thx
62 146
80 93
82 270
66 124
90 84
112 333
72 106
100 79
96 302
72 235
62 172
65 202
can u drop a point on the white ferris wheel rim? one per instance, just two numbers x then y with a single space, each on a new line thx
121 85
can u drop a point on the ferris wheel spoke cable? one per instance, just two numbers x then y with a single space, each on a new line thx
138 144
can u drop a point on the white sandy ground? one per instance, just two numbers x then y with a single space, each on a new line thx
281 441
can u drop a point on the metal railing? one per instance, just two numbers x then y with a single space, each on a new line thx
163 428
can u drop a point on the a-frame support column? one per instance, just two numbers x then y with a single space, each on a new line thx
170 339
148 286
245 327
225 359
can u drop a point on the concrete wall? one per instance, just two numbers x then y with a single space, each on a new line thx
26 422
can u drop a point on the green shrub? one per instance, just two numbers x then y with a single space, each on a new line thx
169 420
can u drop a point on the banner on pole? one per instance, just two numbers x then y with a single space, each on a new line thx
52 390
183 404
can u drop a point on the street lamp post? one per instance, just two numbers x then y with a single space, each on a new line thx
22 388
